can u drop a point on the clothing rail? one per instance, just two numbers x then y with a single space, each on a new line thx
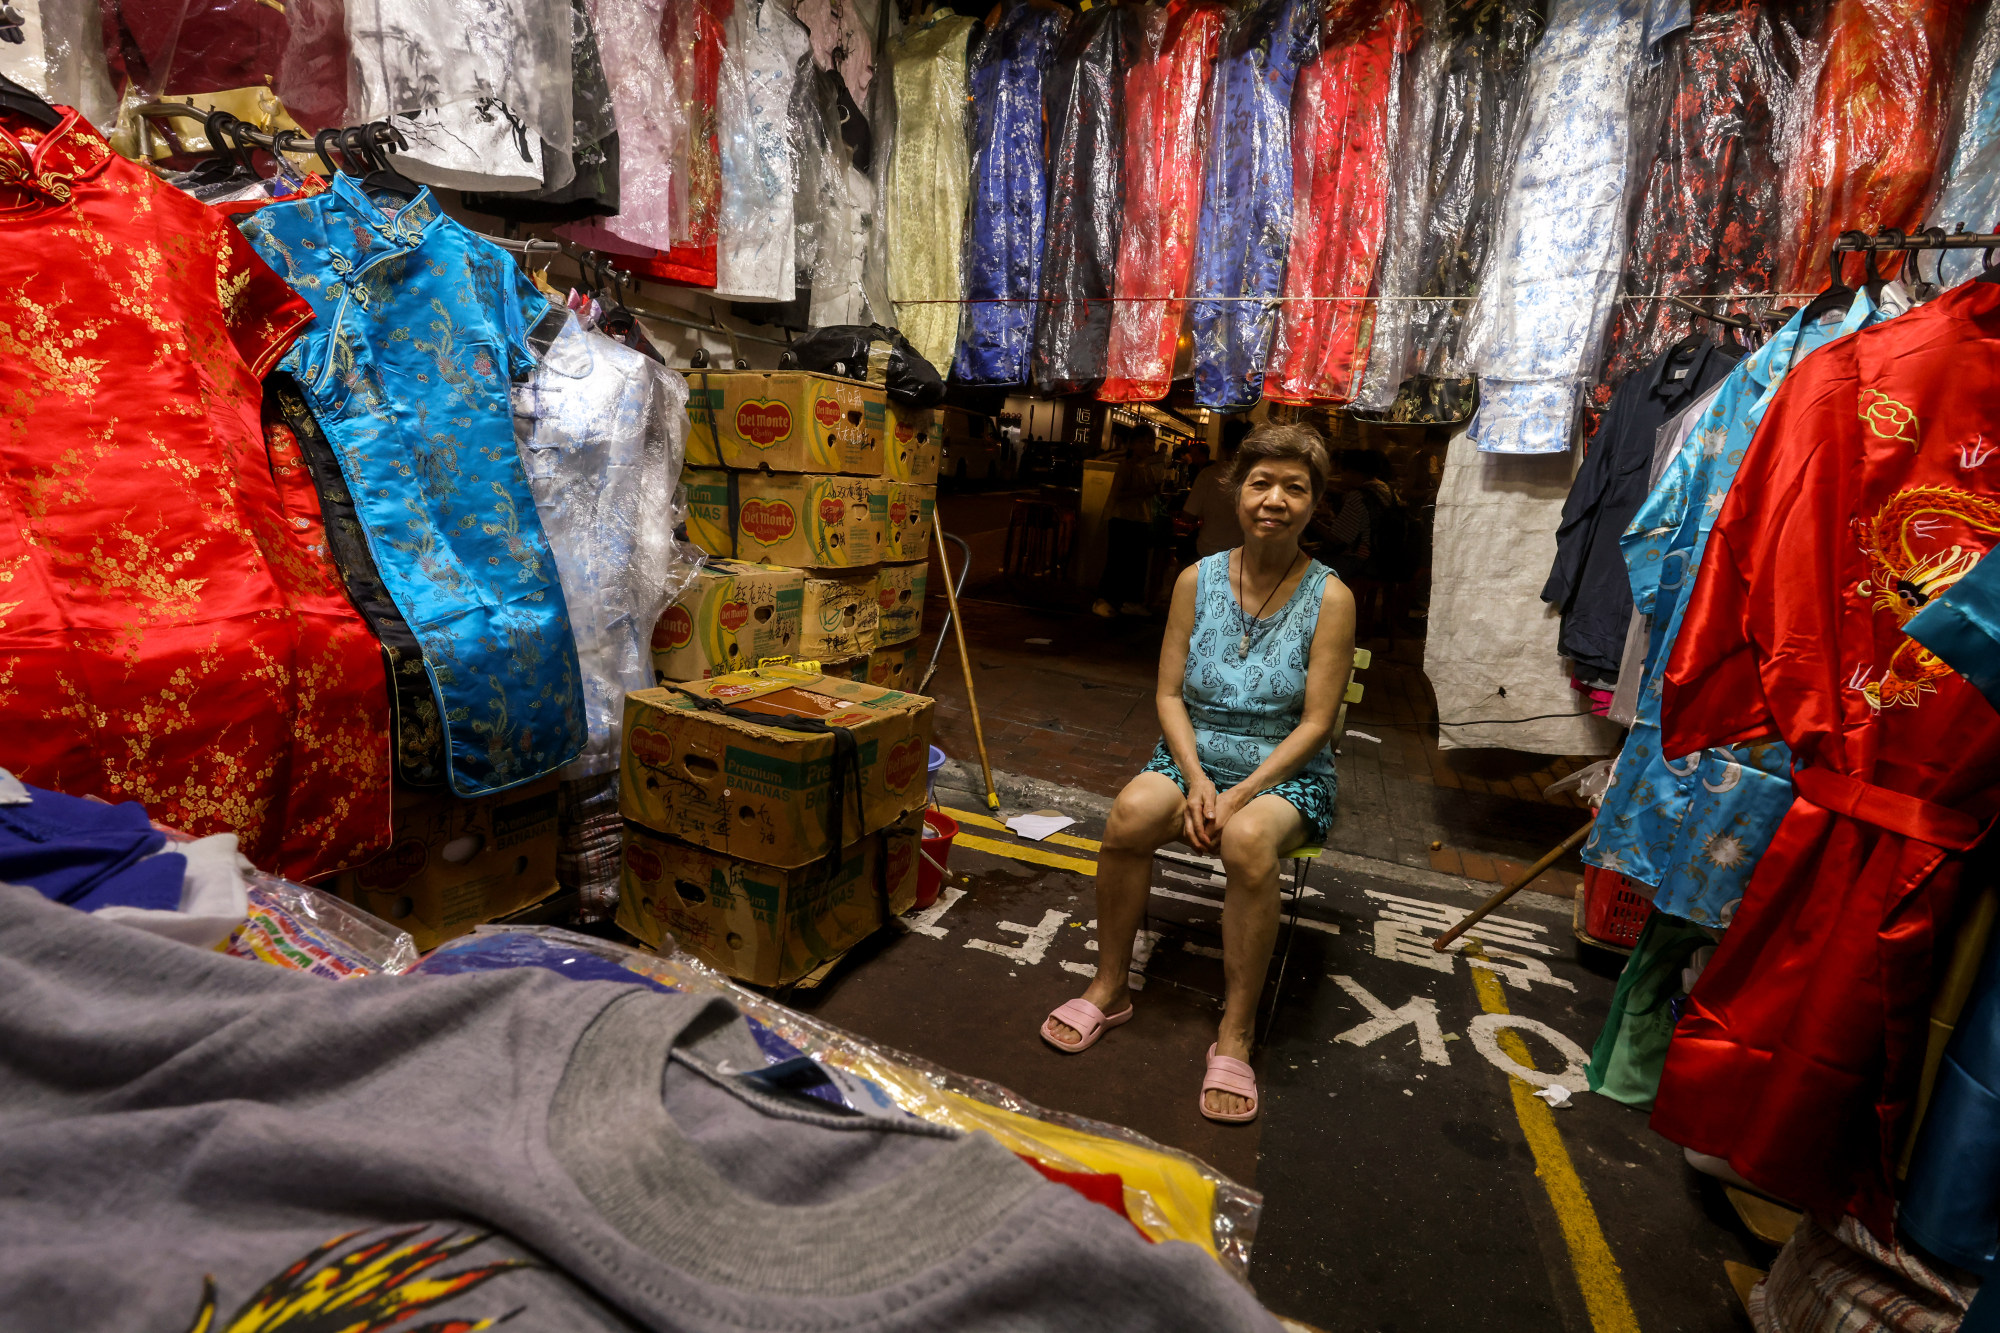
1931 238
281 141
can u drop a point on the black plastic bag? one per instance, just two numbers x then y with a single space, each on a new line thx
870 352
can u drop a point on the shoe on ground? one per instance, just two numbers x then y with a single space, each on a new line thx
1102 608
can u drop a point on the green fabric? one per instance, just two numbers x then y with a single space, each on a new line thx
1626 1062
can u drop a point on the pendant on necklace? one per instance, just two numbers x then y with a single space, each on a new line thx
1243 646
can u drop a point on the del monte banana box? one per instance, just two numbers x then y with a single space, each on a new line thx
743 783
898 668
910 510
785 420
808 520
767 925
913 444
734 615
900 597
708 491
841 614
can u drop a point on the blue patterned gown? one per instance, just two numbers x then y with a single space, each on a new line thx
1008 213
1242 707
421 325
1245 232
1695 827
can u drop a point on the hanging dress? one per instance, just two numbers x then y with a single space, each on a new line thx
1086 95
1969 190
1246 208
650 129
1343 111
928 179
756 256
1165 139
1007 215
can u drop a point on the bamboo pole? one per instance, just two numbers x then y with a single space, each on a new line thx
971 697
1527 877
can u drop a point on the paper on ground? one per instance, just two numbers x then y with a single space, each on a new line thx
1040 824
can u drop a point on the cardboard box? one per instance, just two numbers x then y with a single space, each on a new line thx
900 596
910 509
841 614
734 615
759 791
801 519
708 493
456 864
898 668
785 420
767 925
913 444
846 668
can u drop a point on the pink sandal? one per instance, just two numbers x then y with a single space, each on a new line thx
1087 1019
1228 1074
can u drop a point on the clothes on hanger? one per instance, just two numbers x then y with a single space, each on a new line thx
843 41
1968 186
590 165
928 181
651 128
1961 625
756 258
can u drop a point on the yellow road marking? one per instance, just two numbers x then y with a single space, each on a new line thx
1597 1273
984 821
1033 854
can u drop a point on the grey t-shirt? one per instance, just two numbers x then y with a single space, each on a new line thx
185 1137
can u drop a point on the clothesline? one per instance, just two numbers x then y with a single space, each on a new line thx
1281 300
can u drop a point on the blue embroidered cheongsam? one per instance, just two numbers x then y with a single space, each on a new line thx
421 326
1695 827
1245 232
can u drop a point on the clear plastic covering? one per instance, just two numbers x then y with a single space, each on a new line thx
834 202
601 431
1970 189
1007 215
1086 96
649 117
312 82
843 40
183 47
1169 1195
1473 76
583 181
692 35
1245 233
928 178
60 57
1539 323
1707 216
1871 143
762 48
308 930
1165 143
1345 110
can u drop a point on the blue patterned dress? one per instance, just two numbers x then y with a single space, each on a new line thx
1695 827
1245 232
1242 707
421 325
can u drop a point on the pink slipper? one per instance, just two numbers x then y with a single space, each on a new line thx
1087 1019
1228 1074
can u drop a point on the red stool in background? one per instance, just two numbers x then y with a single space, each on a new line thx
1610 912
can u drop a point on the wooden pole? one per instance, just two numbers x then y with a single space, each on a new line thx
1556 853
971 698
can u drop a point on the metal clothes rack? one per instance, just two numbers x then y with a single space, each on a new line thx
1930 238
280 141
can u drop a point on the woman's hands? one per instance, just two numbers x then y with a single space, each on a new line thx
1207 810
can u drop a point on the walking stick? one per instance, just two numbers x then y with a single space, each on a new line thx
1562 849
971 698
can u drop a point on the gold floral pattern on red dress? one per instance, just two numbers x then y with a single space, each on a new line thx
170 629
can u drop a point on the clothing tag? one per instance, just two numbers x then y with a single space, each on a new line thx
13 791
1678 375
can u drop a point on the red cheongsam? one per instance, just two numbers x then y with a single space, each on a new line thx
171 631
1872 486
1343 110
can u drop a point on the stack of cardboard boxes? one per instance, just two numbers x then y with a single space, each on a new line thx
816 495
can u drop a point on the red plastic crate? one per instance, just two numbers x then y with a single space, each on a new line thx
1612 912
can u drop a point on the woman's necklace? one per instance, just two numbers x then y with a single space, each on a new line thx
1249 622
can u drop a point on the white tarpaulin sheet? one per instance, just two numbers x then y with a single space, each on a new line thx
1491 650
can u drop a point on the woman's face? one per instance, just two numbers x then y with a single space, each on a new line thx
1276 500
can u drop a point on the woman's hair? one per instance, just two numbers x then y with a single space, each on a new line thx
1272 441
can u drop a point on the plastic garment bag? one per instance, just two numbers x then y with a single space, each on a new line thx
1008 210
601 431
1707 217
755 254
1086 95
1539 323
195 46
828 226
60 58
1165 139
1246 208
648 117
1970 188
476 86
1344 110
1474 133
1872 142
928 179
591 165
843 40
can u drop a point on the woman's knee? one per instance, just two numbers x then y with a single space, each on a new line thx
1145 816
1249 850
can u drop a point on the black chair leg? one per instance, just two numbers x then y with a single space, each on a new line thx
1290 930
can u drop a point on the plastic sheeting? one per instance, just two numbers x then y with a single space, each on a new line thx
1707 217
928 180
183 47
582 182
843 40
1086 98
1246 209
1538 327
1872 141
762 48
1970 190
1165 141
1345 110
1008 212
830 223
649 120
1473 81
60 57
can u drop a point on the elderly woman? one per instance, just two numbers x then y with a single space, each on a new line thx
1258 648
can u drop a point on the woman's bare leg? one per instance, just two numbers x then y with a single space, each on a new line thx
1146 817
1251 842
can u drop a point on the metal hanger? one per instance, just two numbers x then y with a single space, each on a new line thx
25 104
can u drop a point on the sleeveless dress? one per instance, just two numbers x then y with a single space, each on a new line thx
1242 707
